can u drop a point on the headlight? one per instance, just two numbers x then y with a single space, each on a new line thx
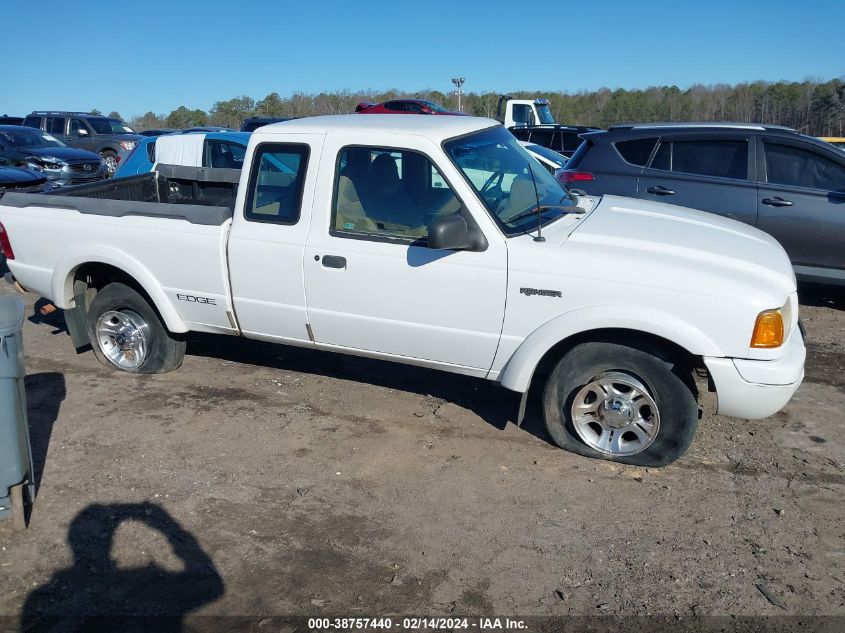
40 163
772 327
128 145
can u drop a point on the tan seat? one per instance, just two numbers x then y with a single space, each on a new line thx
350 214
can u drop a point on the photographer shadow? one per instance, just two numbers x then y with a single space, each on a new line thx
96 595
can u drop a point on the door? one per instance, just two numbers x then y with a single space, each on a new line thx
709 173
373 284
801 202
80 134
267 241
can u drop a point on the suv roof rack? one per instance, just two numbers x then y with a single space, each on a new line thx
693 124
70 112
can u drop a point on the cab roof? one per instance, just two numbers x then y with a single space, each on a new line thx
438 128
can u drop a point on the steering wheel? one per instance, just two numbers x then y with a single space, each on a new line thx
492 189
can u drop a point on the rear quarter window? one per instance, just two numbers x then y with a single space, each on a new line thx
636 151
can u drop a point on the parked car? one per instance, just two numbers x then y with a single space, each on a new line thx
496 272
158 132
836 141
206 128
789 185
254 122
403 106
22 146
549 159
100 134
563 139
217 149
20 179
11 120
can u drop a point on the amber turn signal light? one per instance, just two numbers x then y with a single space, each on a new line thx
768 330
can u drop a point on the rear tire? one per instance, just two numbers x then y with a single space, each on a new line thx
614 402
126 333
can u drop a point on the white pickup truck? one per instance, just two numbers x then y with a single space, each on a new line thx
434 241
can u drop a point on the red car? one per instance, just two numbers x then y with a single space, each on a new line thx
403 106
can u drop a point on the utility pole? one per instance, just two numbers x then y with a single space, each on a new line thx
459 82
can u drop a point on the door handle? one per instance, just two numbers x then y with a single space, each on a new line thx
776 202
660 191
334 261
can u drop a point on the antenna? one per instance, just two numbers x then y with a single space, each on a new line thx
539 237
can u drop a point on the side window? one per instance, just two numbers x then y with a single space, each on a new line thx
32 121
637 151
522 114
398 106
56 125
719 158
151 151
76 125
276 183
388 193
789 165
542 137
522 134
224 154
416 108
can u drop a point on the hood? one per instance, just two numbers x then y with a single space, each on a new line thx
692 240
18 176
62 153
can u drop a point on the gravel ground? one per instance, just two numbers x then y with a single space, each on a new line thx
264 480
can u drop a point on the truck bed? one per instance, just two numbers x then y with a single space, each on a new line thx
199 195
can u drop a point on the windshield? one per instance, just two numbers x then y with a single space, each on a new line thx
505 176
548 154
544 113
28 137
110 126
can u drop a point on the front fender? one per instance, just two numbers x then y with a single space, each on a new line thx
519 369
62 280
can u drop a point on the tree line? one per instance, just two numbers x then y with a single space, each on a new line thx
812 107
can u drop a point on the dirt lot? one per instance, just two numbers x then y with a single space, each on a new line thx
262 480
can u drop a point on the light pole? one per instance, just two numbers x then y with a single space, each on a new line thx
459 82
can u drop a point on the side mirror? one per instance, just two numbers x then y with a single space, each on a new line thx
448 232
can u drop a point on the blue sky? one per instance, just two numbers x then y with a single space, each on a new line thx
134 56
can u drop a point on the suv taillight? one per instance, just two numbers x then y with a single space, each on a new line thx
5 244
568 176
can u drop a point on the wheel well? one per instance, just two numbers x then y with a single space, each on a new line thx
687 364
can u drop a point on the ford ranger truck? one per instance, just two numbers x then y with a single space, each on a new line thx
432 241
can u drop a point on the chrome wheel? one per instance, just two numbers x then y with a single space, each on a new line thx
111 162
124 338
615 414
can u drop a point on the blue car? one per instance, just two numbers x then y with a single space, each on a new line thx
213 149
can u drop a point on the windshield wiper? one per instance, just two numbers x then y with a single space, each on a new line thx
544 207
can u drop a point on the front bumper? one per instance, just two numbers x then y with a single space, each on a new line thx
755 389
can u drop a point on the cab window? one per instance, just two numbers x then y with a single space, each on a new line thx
276 183
388 193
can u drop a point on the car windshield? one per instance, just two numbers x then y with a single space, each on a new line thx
508 180
28 137
110 126
434 106
548 154
544 113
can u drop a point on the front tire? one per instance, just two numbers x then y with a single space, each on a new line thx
619 403
110 158
126 333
